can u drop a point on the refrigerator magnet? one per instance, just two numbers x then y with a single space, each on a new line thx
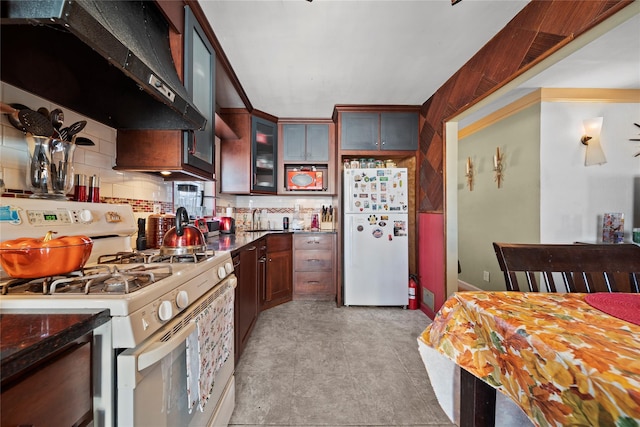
377 233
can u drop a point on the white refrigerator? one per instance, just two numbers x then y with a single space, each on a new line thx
376 249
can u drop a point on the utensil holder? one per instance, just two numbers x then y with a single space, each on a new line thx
50 168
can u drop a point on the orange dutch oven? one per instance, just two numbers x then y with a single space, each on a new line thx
29 258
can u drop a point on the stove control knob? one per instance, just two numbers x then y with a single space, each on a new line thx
222 273
182 299
233 281
228 267
165 311
85 216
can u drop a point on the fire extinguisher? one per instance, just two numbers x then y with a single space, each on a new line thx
413 292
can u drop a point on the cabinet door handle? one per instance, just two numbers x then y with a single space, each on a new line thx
192 150
311 242
313 260
313 282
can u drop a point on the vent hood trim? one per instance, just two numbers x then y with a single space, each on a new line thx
103 59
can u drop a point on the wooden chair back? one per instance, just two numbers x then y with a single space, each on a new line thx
582 267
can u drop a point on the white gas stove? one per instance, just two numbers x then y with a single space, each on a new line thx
152 300
163 288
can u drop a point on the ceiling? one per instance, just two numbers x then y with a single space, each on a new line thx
296 58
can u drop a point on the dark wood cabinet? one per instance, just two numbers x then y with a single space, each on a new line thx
248 163
314 266
55 393
245 263
264 155
262 272
178 154
365 129
278 286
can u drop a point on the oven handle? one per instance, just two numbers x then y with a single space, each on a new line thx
158 351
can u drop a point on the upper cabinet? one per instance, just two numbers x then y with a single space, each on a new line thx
305 142
380 129
199 80
264 143
249 163
179 154
306 145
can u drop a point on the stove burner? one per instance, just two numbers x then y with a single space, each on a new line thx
98 279
124 258
177 258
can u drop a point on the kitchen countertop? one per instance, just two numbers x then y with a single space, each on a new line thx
29 336
233 242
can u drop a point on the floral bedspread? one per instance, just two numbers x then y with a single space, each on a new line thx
562 361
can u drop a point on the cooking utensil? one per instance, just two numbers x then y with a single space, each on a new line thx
35 123
184 238
57 119
44 112
74 129
81 140
12 110
45 257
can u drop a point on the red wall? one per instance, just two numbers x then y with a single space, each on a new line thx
431 262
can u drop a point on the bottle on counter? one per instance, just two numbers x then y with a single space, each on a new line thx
80 189
94 189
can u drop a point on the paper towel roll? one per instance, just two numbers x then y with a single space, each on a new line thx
229 211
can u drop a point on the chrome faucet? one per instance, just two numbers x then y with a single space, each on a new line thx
253 218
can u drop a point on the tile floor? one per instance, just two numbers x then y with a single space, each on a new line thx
313 364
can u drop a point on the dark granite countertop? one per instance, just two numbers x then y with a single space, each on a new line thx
28 336
234 242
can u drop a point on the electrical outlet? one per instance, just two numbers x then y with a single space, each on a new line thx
427 298
485 276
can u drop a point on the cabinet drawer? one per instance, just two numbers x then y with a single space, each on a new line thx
313 282
313 261
278 242
313 241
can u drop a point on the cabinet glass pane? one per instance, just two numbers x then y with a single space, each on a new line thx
294 142
399 131
359 131
264 155
318 143
199 78
203 96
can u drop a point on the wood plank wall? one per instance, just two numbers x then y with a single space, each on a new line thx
541 28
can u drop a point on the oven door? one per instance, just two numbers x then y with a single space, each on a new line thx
152 378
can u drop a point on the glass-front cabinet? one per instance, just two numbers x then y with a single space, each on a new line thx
264 144
199 80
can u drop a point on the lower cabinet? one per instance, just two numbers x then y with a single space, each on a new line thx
58 393
277 288
314 266
245 263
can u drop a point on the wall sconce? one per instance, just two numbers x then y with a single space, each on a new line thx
469 174
498 167
591 138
